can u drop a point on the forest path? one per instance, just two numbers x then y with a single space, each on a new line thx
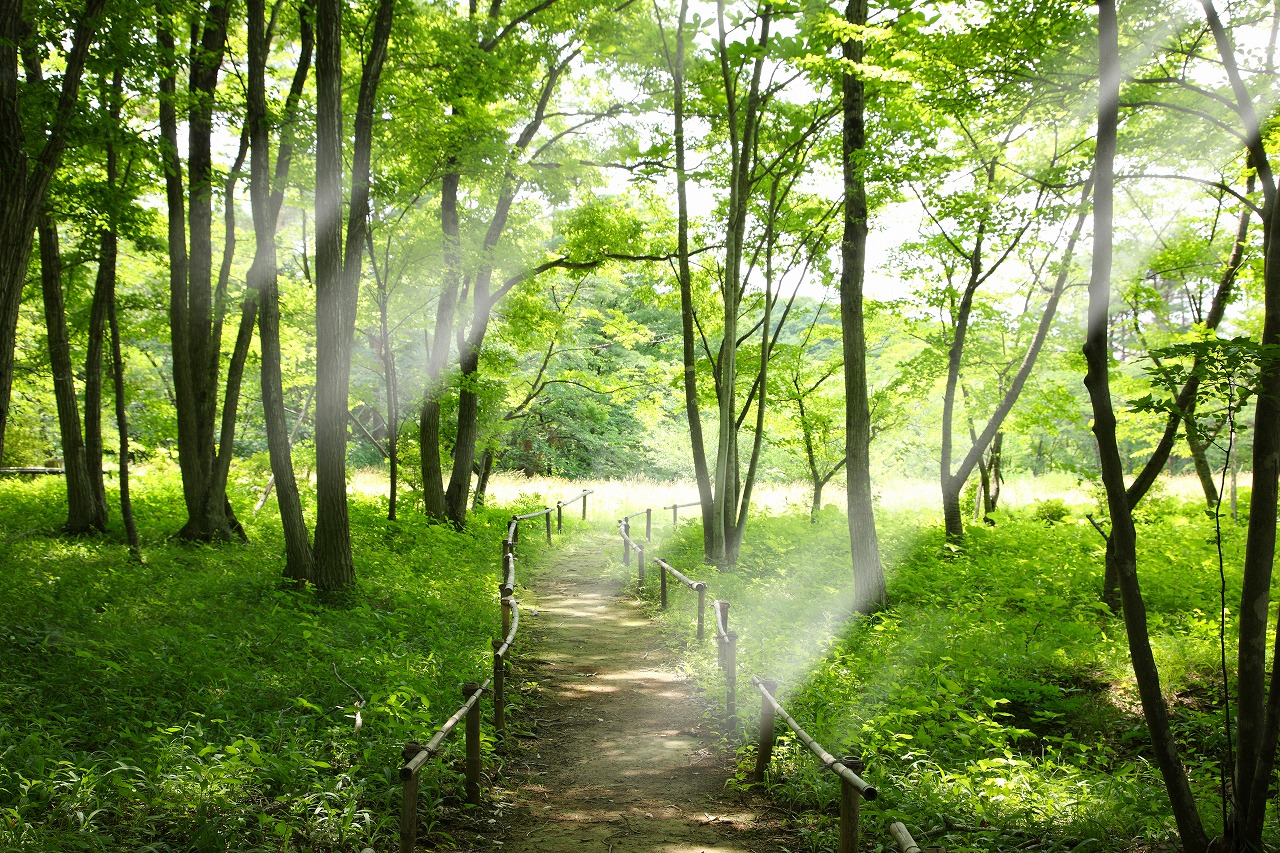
617 757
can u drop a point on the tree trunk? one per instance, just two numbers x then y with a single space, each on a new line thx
1198 456
84 513
338 277
122 426
995 462
334 567
868 573
24 174
457 495
195 345
103 287
482 481
440 345
1123 536
299 559
693 413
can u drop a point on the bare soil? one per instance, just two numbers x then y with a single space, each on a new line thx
620 754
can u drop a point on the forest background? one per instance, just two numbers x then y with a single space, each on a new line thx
734 244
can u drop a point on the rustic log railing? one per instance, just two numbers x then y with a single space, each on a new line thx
416 755
697 586
648 522
629 545
853 788
675 509
727 655
560 505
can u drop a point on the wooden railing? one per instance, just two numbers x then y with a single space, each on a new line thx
852 786
416 755
849 769
697 586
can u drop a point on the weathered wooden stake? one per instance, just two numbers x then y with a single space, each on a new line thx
675 509
648 525
473 744
409 802
499 688
640 552
768 730
731 679
559 517
702 605
515 530
850 806
626 543
506 611
663 574
584 506
548 518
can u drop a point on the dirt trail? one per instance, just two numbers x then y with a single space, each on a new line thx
617 757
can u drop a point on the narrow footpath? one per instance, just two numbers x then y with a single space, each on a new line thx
618 756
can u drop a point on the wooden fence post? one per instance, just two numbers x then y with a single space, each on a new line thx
499 689
675 509
547 516
584 506
506 611
640 552
473 744
731 679
559 517
702 605
648 525
626 543
768 729
850 807
409 802
662 572
515 530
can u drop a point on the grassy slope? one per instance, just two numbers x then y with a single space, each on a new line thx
193 704
995 690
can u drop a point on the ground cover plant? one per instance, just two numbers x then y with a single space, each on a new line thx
193 703
992 699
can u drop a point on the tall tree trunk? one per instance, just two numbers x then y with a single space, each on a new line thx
440 345
1123 540
1258 712
103 286
868 573
334 567
24 174
122 426
194 328
1201 461
995 462
299 559
685 274
338 276
84 513
482 480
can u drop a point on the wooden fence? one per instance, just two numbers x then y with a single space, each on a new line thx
416 755
848 769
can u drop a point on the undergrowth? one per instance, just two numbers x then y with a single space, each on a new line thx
992 700
193 703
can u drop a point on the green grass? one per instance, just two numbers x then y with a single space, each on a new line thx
192 703
994 692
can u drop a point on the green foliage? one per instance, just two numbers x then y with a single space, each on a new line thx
192 701
995 690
